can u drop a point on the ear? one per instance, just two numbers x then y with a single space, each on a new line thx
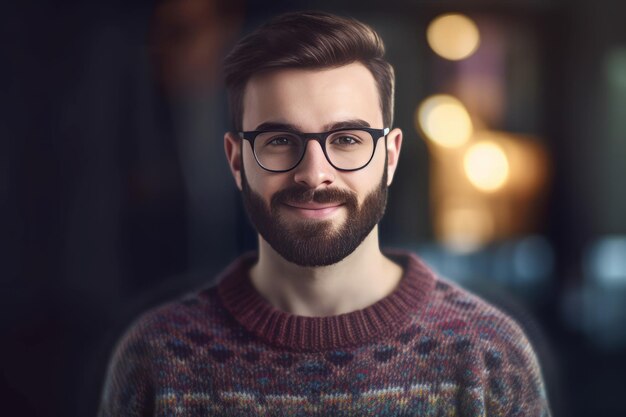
394 143
232 147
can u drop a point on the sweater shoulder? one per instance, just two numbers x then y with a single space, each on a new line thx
489 343
193 317
155 338
457 310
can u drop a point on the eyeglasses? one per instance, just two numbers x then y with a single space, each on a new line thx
345 149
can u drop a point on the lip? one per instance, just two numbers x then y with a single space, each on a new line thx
314 210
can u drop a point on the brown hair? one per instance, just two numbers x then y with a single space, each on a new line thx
307 40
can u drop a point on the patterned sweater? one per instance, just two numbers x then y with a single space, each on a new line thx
428 349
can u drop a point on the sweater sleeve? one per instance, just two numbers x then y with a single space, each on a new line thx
511 377
129 388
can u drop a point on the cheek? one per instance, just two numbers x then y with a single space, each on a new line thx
370 177
366 183
253 172
248 156
260 181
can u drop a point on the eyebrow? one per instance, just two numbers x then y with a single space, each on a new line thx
344 124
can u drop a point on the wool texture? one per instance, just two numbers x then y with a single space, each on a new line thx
428 349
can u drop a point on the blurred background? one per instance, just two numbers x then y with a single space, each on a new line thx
116 197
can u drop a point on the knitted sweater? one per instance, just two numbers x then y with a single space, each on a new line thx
428 349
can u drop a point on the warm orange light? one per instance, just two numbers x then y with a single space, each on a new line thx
486 166
453 36
466 228
444 120
493 187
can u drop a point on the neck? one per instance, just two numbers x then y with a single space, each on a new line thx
356 282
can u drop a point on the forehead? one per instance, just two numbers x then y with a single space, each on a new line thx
312 98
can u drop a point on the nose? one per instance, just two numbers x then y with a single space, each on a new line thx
314 169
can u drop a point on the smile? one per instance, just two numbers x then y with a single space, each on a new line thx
314 210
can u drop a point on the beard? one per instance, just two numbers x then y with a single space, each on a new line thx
308 242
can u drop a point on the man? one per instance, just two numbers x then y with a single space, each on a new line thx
320 322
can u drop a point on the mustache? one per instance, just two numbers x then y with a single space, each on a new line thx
303 194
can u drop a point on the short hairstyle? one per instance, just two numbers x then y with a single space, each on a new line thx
307 40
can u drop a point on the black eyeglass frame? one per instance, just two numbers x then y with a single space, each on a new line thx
320 137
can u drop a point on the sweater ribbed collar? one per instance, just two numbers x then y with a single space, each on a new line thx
385 317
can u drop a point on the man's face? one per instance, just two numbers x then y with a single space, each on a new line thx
314 215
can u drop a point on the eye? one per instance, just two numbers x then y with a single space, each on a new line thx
346 140
280 141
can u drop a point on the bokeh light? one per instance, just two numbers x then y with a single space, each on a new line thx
486 166
444 120
605 263
467 228
453 36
